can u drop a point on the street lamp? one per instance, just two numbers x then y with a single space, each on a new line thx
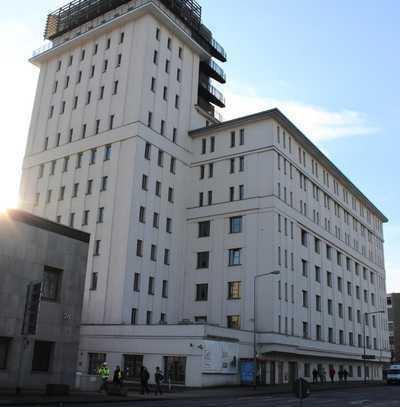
365 348
271 273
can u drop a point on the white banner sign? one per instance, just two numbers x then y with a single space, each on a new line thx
220 357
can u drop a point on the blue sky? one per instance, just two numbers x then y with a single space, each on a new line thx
332 67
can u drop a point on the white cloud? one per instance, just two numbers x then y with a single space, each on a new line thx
315 121
17 83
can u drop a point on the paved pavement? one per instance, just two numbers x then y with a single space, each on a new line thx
384 396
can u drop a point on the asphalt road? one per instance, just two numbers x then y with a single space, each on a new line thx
385 396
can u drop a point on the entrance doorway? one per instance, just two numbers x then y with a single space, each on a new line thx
293 372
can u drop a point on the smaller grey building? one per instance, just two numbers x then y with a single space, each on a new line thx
42 275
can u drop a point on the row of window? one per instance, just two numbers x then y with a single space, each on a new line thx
326 179
234 291
232 167
235 194
233 141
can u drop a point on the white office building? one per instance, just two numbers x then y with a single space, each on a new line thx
185 210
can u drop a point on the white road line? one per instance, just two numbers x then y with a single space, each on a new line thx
358 402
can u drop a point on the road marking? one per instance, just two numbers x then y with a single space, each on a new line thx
358 402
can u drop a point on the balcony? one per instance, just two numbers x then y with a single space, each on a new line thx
211 69
217 51
211 94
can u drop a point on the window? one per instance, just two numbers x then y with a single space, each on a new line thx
66 84
147 151
241 137
169 41
318 274
234 257
305 298
93 152
107 152
42 356
204 229
156 220
305 329
97 247
167 64
330 309
111 122
164 292
233 321
155 57
203 260
75 104
234 290
340 310
121 37
119 60
100 215
97 127
59 63
172 165
210 170
170 195
158 34
165 93
62 109
84 127
339 284
304 267
92 70
142 214
61 193
202 170
317 245
318 331
203 146
178 74
134 316
235 224
58 139
105 65
329 279
79 77
89 186
149 119
201 195
51 289
174 134
115 88
212 144
303 237
180 52
93 281
85 218
241 164
241 192
177 102
153 252
104 181
231 194
160 158
168 227
151 286
232 166
144 182
108 44
158 188
318 303
139 248
233 142
148 317
48 197
4 351
201 292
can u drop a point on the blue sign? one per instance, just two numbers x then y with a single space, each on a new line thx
247 372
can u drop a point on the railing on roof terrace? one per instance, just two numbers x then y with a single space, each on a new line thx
214 66
213 91
218 48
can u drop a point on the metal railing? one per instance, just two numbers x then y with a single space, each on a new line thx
214 92
215 67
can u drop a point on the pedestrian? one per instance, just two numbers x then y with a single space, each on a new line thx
340 374
158 378
322 375
332 373
144 380
118 377
104 373
315 376
345 374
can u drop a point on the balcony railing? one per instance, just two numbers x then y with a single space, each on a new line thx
213 70
212 94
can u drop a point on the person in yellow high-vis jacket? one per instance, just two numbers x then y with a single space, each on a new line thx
104 373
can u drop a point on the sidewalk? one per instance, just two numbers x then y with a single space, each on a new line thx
37 398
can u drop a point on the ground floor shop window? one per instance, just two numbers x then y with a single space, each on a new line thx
4 350
42 356
95 361
175 369
132 366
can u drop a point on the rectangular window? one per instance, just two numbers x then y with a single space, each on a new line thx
85 218
167 65
147 151
241 192
172 165
93 281
164 292
151 286
42 356
231 194
204 229
177 102
142 214
52 280
111 122
149 316
139 248
160 158
233 321
158 188
203 260
97 247
134 316
201 198
234 257
235 224
115 88
241 137
153 252
149 119
93 152
233 142
89 186
156 220
136 282
234 290
170 195
100 215
201 292
212 144
168 227
144 182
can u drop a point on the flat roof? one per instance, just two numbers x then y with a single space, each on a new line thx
277 115
45 224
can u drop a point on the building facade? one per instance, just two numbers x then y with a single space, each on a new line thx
393 307
43 266
185 210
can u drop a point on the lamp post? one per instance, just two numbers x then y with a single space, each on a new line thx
272 273
364 342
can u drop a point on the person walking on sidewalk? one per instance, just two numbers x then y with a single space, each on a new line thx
158 378
345 374
315 376
332 373
144 380
118 377
104 374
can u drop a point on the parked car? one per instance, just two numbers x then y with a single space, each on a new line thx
393 374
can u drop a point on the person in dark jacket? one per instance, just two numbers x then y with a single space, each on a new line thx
345 374
144 380
118 377
315 376
332 373
158 378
